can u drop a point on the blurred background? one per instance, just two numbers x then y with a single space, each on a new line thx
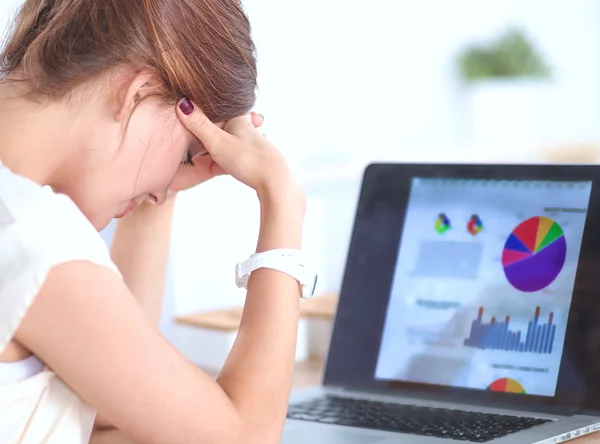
346 82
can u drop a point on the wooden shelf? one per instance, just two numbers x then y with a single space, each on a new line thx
306 374
320 307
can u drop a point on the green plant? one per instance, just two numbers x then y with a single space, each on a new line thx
511 55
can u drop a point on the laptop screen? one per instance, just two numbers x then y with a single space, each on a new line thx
473 282
483 284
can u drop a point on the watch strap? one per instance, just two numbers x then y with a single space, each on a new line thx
287 261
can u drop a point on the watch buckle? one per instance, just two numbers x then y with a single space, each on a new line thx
239 280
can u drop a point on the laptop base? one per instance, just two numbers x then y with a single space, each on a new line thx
553 431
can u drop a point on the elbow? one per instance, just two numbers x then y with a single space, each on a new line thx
252 423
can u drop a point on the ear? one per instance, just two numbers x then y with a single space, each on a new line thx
132 92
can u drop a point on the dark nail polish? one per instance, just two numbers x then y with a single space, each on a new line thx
186 107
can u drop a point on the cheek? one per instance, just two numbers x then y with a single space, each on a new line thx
161 169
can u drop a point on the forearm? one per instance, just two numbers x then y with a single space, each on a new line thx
140 249
258 373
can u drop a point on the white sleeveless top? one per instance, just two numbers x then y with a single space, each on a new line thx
39 229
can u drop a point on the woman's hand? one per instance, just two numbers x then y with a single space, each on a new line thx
204 168
240 150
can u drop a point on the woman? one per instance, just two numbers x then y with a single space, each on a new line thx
107 110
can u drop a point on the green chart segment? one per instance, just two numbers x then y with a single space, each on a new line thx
534 254
548 231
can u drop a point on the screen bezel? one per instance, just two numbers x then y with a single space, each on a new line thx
369 271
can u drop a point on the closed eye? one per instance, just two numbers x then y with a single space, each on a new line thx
196 150
189 161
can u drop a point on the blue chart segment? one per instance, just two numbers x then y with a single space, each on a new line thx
498 336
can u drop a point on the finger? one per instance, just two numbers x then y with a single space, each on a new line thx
241 126
257 119
216 169
199 125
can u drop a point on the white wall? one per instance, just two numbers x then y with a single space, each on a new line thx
346 81
8 10
346 77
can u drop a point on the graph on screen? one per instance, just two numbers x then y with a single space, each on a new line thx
534 254
494 335
506 385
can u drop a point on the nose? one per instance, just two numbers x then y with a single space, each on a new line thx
157 198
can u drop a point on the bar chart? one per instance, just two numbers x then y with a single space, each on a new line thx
495 335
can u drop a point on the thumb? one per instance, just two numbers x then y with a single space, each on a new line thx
257 119
199 125
242 126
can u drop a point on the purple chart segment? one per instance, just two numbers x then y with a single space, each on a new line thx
534 254
539 270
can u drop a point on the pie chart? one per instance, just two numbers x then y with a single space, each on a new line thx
534 254
506 385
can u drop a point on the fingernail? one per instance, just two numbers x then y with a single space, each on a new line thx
186 107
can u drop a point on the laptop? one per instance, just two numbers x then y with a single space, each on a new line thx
469 310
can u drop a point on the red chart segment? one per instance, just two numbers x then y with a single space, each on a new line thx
498 385
527 232
511 256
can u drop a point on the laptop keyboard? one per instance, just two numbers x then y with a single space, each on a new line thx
415 420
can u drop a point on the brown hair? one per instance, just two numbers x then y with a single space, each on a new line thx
201 49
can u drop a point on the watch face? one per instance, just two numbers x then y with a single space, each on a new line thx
312 292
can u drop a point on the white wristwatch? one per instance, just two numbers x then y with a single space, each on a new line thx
291 262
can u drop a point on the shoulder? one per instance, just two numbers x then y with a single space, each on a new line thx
39 230
45 226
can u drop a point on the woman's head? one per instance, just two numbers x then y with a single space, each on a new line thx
120 67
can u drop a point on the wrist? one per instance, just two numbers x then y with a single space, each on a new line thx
281 221
288 197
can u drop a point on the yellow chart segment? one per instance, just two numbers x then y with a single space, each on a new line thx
513 386
542 231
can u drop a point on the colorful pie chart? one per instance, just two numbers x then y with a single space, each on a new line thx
506 385
475 225
442 224
534 254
